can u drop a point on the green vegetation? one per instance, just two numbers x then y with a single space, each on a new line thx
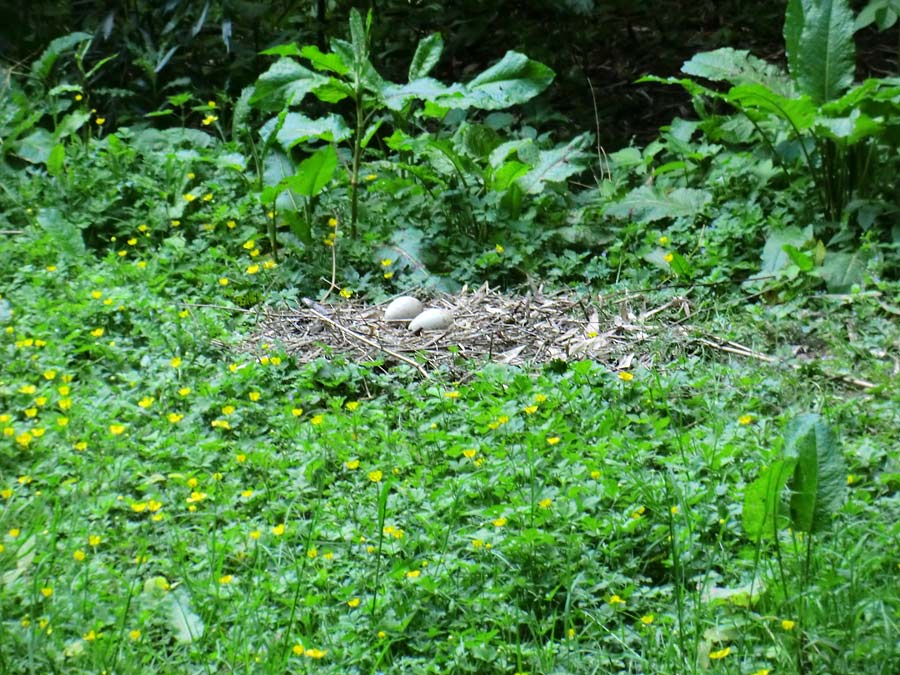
172 503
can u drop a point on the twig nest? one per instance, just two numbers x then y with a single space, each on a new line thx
404 308
431 319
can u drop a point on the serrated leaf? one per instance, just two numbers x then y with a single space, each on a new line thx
762 500
843 271
285 82
819 482
774 257
297 128
825 54
737 66
515 79
556 165
428 53
645 204
65 234
324 62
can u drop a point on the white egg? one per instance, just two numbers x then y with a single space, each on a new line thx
431 319
403 308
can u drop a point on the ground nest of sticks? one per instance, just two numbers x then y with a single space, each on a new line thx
529 329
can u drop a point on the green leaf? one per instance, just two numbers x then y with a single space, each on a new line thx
298 128
314 173
44 65
65 234
396 96
774 257
794 20
843 271
35 147
849 130
799 112
428 53
324 62
358 37
802 260
56 162
645 204
242 110
762 500
290 49
556 165
825 56
514 80
738 66
286 82
186 624
819 483
71 123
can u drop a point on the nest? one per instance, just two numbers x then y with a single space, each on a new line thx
488 326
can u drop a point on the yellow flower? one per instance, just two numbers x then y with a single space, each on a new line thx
134 634
146 402
256 534
209 119
553 440
49 374
647 619
663 240
315 653
638 512
100 121
79 555
81 446
413 574
78 97
46 591
477 543
545 503
249 244
720 654
386 262
189 197
62 421
352 464
94 540
296 412
668 257
298 649
24 439
332 222
226 579
196 497
539 398
14 532
176 223
252 269
787 624
174 417
499 248
254 396
223 281
175 362
451 394
530 409
499 522
31 412
616 600
470 453
90 636
353 602
278 530
625 376
139 507
97 332
352 405
388 275
312 553
317 420
6 493
370 177
761 671
673 510
744 420
346 292
228 410
184 391
116 429
375 476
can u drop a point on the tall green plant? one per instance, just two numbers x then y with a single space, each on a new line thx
346 73
811 111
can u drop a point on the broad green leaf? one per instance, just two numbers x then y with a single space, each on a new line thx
794 20
298 128
762 500
774 257
242 110
285 82
738 66
299 225
799 112
290 49
71 123
56 162
328 62
501 152
396 96
819 483
428 53
801 259
35 147
515 79
44 65
645 204
826 54
333 91
849 130
314 173
504 176
843 271
186 624
742 596
556 165
65 234
358 37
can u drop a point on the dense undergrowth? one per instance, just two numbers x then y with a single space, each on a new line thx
169 505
